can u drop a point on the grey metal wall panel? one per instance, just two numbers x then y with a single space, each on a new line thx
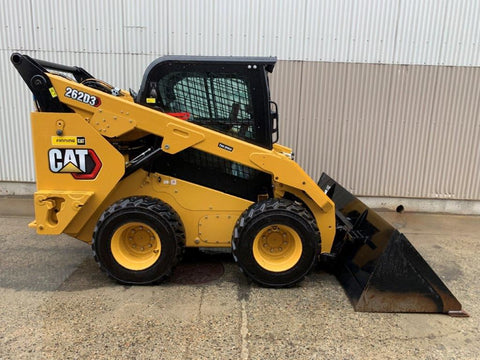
362 142
286 85
454 145
16 162
387 130
409 120
320 118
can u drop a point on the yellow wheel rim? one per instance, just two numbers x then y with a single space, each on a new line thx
277 248
136 246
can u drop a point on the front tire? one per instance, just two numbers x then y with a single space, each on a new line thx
138 240
276 242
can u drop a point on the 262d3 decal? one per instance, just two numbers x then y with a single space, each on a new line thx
83 164
81 96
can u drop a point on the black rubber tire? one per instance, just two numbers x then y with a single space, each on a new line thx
158 216
265 213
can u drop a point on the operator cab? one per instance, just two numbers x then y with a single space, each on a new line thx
226 94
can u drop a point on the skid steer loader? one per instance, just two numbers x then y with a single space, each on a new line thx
191 160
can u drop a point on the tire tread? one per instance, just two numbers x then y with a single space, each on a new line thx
151 204
265 206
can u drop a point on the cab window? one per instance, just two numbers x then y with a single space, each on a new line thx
219 101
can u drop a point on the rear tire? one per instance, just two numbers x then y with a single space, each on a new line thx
276 242
138 240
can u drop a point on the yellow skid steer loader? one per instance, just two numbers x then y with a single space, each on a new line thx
191 160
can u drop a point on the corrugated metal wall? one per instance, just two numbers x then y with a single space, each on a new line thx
384 130
381 94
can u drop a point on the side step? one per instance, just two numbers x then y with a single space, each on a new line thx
377 265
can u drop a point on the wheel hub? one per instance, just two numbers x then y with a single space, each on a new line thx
141 239
275 240
135 246
277 248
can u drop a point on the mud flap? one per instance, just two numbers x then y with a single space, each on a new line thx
378 267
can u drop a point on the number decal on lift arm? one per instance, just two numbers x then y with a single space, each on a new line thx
83 97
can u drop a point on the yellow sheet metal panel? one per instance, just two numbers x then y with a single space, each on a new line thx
109 113
90 166
112 116
216 229
192 203
54 210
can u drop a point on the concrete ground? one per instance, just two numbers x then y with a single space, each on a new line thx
55 303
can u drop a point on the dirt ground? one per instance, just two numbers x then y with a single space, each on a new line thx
55 303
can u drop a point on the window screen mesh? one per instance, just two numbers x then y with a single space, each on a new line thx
216 101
